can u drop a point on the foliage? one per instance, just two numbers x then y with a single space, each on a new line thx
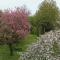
17 20
26 42
47 48
5 53
33 29
46 16
14 26
4 50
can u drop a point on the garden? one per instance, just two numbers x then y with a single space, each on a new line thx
30 37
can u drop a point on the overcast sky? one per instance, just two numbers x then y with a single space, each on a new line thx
32 5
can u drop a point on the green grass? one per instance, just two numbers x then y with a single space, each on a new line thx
27 41
4 50
5 54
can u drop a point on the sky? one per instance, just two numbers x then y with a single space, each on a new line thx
31 5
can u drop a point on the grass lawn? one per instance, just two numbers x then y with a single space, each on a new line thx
4 50
28 40
5 54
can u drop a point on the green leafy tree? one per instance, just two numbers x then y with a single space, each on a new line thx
33 24
46 16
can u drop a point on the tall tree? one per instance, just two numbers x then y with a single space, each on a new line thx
14 25
46 16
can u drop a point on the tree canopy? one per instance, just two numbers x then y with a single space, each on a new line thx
14 26
46 16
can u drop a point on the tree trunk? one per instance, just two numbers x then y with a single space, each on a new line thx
11 49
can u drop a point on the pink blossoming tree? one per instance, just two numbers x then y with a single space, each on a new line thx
14 25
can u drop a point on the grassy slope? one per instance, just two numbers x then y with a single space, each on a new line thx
4 50
27 41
